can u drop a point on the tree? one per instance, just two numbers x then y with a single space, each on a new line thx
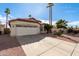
76 27
48 27
30 16
7 11
61 24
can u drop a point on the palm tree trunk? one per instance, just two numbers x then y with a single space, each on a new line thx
6 19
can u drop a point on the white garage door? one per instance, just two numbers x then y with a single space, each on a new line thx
27 30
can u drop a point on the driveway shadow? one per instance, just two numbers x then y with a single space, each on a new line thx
28 39
10 45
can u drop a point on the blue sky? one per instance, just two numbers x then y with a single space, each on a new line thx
67 11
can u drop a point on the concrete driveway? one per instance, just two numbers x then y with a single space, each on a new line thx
45 45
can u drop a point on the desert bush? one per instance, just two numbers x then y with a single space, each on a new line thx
0 32
58 33
75 31
70 30
6 31
48 27
78 31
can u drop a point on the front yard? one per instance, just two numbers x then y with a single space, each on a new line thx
39 45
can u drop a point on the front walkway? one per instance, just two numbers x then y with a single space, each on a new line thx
44 45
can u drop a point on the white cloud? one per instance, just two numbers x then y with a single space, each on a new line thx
74 23
11 17
47 21
3 18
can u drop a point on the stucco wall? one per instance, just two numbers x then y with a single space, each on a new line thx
13 31
19 31
2 29
24 23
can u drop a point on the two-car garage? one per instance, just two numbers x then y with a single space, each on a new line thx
20 27
27 30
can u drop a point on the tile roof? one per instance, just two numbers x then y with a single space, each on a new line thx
26 20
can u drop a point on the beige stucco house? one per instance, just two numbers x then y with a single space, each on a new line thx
26 26
2 28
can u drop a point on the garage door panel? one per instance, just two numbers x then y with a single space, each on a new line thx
27 30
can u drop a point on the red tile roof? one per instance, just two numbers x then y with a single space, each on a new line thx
26 20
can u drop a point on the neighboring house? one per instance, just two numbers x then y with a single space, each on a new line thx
2 28
27 26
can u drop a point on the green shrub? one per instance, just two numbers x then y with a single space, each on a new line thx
70 30
58 33
48 27
6 31
75 31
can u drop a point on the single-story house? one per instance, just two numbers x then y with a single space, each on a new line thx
2 28
24 26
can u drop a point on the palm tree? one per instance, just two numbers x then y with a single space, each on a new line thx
7 11
30 16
